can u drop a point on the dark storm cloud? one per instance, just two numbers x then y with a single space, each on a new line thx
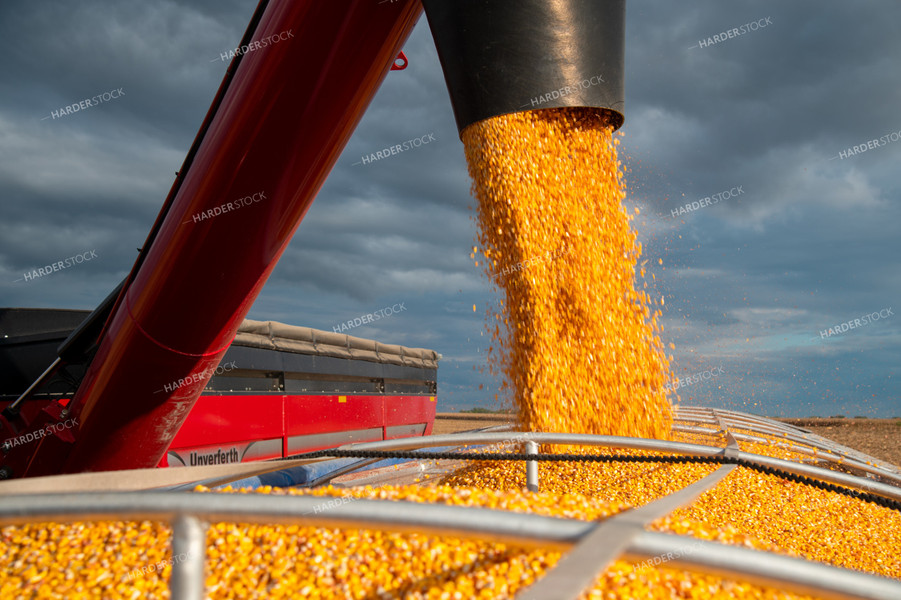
749 282
811 240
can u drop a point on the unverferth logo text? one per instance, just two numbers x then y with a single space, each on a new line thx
215 458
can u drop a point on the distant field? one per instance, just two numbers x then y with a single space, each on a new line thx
877 437
880 438
454 422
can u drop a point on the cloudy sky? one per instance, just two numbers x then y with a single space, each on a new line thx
752 283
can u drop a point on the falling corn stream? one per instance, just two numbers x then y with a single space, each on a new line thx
574 340
578 347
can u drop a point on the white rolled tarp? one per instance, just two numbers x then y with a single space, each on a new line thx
272 335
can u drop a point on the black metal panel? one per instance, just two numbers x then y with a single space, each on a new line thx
241 383
393 388
327 386
21 322
507 56
263 359
29 338
82 342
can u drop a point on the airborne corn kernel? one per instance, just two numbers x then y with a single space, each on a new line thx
575 341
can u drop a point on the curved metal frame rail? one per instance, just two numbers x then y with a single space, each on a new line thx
577 439
726 420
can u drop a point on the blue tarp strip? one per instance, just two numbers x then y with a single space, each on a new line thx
304 474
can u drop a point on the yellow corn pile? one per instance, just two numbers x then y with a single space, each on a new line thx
575 341
133 560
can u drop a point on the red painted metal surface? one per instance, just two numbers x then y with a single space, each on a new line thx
219 425
282 124
400 412
307 415
400 63
232 418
